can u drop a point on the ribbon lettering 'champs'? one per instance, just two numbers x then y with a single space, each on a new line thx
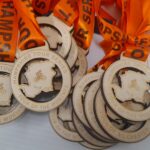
8 31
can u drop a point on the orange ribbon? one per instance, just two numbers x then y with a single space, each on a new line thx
67 11
8 31
81 14
130 35
30 33
84 26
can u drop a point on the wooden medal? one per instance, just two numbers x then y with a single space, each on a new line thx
89 112
58 117
39 68
10 109
58 37
112 130
132 85
78 91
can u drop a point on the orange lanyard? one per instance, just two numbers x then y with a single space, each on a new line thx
8 31
84 26
129 36
67 11
30 34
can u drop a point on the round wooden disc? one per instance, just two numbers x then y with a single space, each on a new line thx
56 34
133 85
40 72
89 111
78 91
10 109
87 136
81 66
108 126
62 115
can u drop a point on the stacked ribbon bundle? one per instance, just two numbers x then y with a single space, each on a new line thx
43 67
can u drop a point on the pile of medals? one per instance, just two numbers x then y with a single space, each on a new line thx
43 68
110 104
46 65
102 113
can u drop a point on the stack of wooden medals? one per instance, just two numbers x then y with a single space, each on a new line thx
111 104
99 109
47 66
